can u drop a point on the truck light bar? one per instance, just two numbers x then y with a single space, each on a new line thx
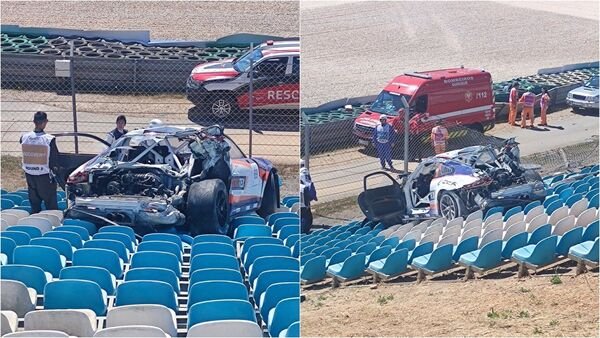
420 75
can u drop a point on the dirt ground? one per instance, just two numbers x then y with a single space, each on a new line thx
487 307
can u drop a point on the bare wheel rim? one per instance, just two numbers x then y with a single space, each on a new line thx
448 207
221 108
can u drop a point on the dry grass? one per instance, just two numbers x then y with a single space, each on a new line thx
507 307
11 174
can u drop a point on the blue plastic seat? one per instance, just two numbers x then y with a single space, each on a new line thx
32 276
573 199
530 206
583 188
262 250
16 199
216 290
517 241
146 292
212 239
437 261
154 274
391 266
339 257
314 270
291 240
246 220
550 199
420 250
75 294
283 315
281 222
116 236
591 231
353 267
362 231
109 244
569 239
377 240
408 244
538 254
592 193
156 259
512 211
89 226
211 261
70 236
594 202
553 206
161 246
267 278
7 247
61 245
274 217
492 211
250 242
62 205
204 275
291 201
213 248
232 309
392 241
585 252
102 258
19 237
244 231
288 230
263 264
285 199
100 276
120 229
48 259
32 231
466 245
6 204
539 234
377 254
165 238
566 193
292 331
276 293
81 231
488 257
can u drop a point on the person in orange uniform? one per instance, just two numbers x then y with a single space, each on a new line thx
544 103
512 103
439 137
528 100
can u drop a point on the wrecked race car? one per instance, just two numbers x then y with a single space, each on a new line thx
454 184
168 178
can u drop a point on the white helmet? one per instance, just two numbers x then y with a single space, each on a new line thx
155 123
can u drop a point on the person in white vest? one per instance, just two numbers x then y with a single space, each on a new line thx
308 193
39 159
383 139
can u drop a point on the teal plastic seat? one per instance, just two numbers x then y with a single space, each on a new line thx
15 198
339 257
216 290
250 242
32 231
569 239
7 247
512 211
161 246
213 248
271 219
270 277
70 236
420 250
292 331
211 261
492 211
539 234
408 245
205 275
116 236
566 194
392 241
538 254
146 292
246 220
467 245
262 250
276 293
61 245
81 231
119 229
573 199
352 268
164 237
437 261
154 274
488 257
291 240
156 259
530 206
232 309
109 244
19 237
517 241
244 231
267 263
75 294
98 275
391 266
586 252
101 258
286 312
210 238
313 270
281 222
288 230
6 204
46 258
32 276
591 231
553 206
89 226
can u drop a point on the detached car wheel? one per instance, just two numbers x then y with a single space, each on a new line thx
208 208
450 205
222 106
268 204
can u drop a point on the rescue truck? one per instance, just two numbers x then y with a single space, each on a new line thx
221 88
457 96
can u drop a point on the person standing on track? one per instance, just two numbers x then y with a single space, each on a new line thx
512 103
439 137
528 100
544 103
119 131
383 138
308 193
39 159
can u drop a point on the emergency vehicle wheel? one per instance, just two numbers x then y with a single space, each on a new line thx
451 206
222 106
208 208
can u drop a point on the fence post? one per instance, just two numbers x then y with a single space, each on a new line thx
406 131
251 102
73 99
306 141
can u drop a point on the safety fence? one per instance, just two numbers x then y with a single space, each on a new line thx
84 84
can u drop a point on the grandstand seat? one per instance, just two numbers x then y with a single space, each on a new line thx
274 294
271 219
267 278
131 331
61 245
586 218
216 290
490 236
466 245
6 204
70 236
211 239
89 226
286 312
210 261
339 257
558 214
591 231
17 297
535 255
244 231
48 259
537 222
73 322
109 244
472 232
23 207
589 194
291 240
531 205
156 259
19 237
226 328
437 261
32 276
353 267
553 206
217 310
288 230
594 201
377 254
121 237
534 212
53 219
514 219
39 222
512 211
314 270
165 238
8 322
281 222
32 231
161 246
213 248
81 231
492 218
272 263
585 254
101 258
75 294
565 194
246 220
493 211
391 241
420 250
99 275
16 199
9 219
393 265
204 275
451 238
120 229
516 241
514 229
578 207
146 292
143 314
261 250
486 258
7 247
154 274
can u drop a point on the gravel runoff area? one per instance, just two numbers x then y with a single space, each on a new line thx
354 48
166 20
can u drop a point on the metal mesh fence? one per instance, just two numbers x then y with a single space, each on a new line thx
84 85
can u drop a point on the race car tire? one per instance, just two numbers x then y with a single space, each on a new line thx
221 105
268 203
451 206
207 210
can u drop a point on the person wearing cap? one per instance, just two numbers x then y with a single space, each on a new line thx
439 137
383 137
119 131
308 193
40 156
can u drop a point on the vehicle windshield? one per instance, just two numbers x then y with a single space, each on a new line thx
243 63
592 83
388 103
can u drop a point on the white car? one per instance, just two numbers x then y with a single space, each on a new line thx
586 96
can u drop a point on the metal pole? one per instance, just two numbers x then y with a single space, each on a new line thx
73 99
306 142
406 131
251 102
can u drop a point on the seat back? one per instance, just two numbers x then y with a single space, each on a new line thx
109 244
286 312
586 217
474 216
472 232
131 331
212 238
367 248
276 293
261 250
281 222
440 258
531 205
234 328
476 223
515 218
540 233
154 274
493 216
143 314
272 263
7 247
558 214
537 222
100 276
569 239
534 212
119 229
31 230
430 237
146 292
32 276
578 207
39 222
464 246
451 238
89 226
564 225
246 220
102 258
396 262
339 256
267 278
216 290
490 236
164 237
60 323
162 246
61 245
514 229
75 294
515 241
380 253
19 237
217 310
245 231
420 250
490 255
591 231
81 231
46 258
157 259
544 252
70 236
554 206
